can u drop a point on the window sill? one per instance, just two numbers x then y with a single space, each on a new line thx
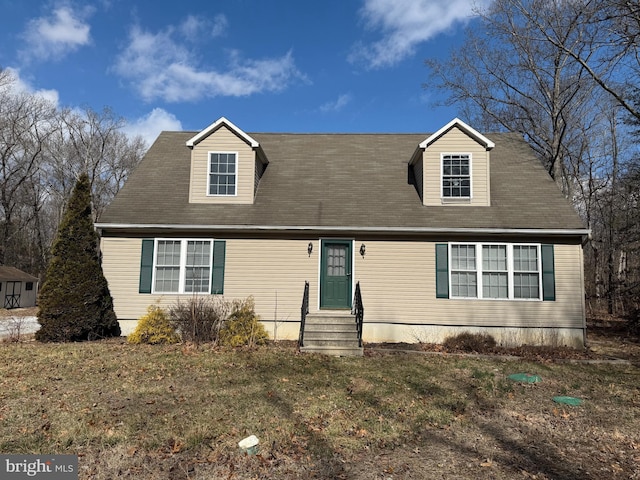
455 201
497 299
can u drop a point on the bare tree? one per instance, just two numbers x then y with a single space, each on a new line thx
43 152
95 144
607 47
26 123
506 78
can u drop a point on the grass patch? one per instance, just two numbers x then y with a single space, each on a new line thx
177 411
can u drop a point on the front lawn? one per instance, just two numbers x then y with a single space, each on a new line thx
178 412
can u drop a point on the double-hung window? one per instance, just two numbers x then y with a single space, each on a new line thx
464 275
167 269
456 175
495 271
223 167
183 266
526 272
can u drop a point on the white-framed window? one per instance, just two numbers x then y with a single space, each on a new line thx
456 175
182 265
495 271
223 168
464 272
526 271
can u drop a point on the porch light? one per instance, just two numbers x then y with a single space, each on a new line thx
310 248
363 249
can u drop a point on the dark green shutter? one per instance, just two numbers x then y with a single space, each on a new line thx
442 270
146 266
217 273
548 274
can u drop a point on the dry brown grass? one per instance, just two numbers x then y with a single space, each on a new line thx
177 412
18 312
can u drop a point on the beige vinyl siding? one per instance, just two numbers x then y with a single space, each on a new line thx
121 267
397 280
398 285
273 271
456 141
222 140
394 280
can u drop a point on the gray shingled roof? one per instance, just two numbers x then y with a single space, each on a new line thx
12 274
341 180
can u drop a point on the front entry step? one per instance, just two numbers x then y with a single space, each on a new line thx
331 333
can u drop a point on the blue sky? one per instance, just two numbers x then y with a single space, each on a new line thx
268 66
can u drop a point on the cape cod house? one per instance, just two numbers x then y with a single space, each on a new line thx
431 234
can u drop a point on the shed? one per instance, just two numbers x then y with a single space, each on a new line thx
18 289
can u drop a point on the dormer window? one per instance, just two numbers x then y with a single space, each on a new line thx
222 173
456 175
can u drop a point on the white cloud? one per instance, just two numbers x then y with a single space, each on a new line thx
161 68
53 36
20 85
336 105
195 28
150 125
219 26
405 24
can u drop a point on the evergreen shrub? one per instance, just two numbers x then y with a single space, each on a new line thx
154 328
242 327
74 301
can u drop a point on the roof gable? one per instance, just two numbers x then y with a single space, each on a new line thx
456 122
13 274
215 126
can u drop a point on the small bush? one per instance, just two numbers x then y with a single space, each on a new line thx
200 318
154 328
470 342
242 327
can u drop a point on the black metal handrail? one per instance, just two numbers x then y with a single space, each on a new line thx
358 311
304 309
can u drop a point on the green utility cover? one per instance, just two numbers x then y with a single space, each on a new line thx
525 378
568 401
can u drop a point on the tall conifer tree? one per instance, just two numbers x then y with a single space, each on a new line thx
75 303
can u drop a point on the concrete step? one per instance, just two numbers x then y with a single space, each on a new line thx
329 335
315 318
331 327
335 351
339 342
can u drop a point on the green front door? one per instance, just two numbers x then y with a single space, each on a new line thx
335 274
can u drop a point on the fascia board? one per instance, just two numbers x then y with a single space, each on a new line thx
217 124
482 231
488 144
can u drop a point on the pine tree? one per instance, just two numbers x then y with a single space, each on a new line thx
75 303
